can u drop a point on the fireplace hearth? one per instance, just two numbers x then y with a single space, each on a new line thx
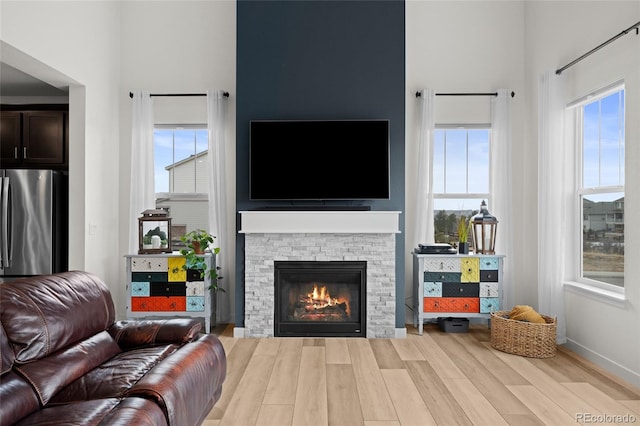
320 298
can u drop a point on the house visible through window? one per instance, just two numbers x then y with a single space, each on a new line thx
601 187
460 178
181 177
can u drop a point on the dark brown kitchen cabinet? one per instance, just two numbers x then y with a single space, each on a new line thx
34 138
10 137
43 137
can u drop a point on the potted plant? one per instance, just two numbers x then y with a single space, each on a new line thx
463 235
146 242
196 243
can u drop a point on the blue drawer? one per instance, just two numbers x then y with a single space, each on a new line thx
195 303
431 289
140 289
489 263
489 304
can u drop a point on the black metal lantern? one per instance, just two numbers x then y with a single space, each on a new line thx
485 226
154 232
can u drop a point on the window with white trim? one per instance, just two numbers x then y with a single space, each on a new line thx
460 177
181 176
600 192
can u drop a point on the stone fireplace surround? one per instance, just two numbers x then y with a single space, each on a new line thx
319 236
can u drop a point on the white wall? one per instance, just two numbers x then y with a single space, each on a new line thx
480 46
463 46
178 47
76 44
556 34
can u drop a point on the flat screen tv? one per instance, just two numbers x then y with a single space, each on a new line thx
319 160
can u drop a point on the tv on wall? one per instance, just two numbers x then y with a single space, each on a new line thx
319 160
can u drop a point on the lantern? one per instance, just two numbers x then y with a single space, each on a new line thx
484 231
154 232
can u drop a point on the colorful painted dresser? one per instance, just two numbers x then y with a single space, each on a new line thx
467 286
159 286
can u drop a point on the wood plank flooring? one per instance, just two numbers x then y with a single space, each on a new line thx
434 379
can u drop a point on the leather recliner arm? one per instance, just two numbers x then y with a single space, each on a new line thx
141 333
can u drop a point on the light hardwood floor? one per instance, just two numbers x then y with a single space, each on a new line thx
434 379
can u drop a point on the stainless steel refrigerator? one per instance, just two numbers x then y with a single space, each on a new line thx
33 222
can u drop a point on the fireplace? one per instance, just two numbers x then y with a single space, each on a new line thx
320 298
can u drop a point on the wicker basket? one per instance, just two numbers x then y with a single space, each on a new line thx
523 338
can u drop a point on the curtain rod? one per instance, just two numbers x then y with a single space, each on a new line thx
418 94
225 94
595 49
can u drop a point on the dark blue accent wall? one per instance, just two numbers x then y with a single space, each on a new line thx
310 59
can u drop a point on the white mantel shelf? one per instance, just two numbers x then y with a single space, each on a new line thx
321 222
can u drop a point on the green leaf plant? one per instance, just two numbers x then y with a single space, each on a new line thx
196 242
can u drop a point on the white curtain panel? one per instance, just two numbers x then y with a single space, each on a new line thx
142 190
501 189
424 193
554 198
217 126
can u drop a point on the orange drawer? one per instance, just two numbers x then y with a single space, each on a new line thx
451 304
140 304
159 304
432 304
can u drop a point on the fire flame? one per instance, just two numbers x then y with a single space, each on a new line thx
321 298
320 302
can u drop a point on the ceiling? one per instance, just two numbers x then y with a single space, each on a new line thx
14 82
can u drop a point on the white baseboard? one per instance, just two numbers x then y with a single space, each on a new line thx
613 367
400 333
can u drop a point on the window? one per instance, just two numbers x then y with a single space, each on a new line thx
180 160
460 177
181 177
600 140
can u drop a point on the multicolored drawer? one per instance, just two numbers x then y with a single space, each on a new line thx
160 286
452 304
456 285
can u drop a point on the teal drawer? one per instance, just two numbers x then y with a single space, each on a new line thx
140 289
195 303
149 276
489 263
450 277
431 289
489 304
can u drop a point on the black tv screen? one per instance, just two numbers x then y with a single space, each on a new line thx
319 159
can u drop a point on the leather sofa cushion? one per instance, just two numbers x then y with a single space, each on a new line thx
133 334
6 352
22 402
49 375
112 412
170 384
44 314
114 377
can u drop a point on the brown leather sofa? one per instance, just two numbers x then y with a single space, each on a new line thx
65 360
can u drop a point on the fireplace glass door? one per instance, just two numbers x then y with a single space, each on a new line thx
320 298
